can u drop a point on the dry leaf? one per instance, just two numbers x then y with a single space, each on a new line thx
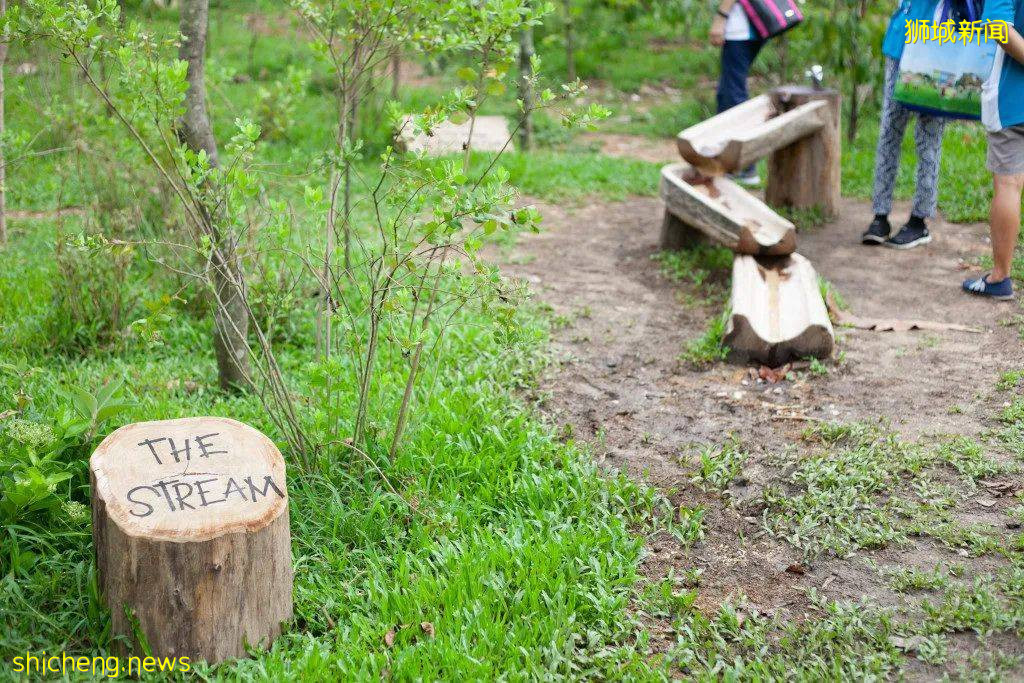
907 644
847 319
1000 488
428 628
773 375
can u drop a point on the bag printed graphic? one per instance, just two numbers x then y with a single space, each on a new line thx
945 78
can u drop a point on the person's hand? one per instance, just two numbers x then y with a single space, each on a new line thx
717 36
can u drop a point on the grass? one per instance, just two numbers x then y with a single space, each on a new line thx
558 177
710 347
719 466
699 265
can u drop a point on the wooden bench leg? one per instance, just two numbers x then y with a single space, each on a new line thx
675 234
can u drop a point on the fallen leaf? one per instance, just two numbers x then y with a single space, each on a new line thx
1000 488
389 638
907 644
773 375
847 319
428 628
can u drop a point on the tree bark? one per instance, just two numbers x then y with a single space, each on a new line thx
526 51
231 320
396 73
3 163
807 173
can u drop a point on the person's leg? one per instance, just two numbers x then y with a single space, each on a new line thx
1004 222
737 58
1006 161
928 140
892 127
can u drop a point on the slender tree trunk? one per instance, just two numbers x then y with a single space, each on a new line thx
396 73
526 87
570 42
231 320
3 167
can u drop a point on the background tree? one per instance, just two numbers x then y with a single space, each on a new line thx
526 59
231 321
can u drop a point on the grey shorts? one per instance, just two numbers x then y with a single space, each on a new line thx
1006 151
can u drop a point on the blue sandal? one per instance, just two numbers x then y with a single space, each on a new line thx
1001 291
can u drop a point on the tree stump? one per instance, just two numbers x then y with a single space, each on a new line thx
190 525
807 173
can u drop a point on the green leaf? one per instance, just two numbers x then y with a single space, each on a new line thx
84 402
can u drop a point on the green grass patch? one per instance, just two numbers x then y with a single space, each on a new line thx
710 347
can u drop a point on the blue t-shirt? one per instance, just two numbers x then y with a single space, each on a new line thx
1002 100
896 35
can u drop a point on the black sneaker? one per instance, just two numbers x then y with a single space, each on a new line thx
877 232
909 236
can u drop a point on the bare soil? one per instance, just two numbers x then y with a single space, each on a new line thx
620 384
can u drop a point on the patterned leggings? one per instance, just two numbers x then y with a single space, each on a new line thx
928 138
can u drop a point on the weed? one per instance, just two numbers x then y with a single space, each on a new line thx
806 218
907 579
817 367
709 347
838 500
1010 380
720 465
969 459
689 528
697 265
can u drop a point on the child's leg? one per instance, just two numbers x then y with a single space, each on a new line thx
890 138
928 139
737 57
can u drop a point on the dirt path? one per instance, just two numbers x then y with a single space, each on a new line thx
621 386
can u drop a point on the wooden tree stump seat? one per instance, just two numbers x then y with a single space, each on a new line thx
190 525
748 132
724 212
778 314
